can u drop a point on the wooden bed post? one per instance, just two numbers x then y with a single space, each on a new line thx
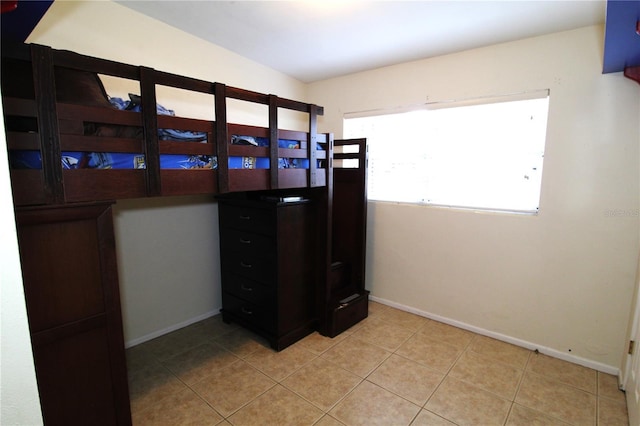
150 126
222 137
312 152
273 141
45 96
325 288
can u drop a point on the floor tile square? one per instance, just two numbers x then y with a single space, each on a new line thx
483 372
369 404
608 387
380 333
404 319
242 342
463 403
503 352
523 416
427 418
182 408
322 383
447 333
563 371
408 379
229 389
557 399
317 343
278 365
431 352
200 361
327 420
612 412
152 384
359 357
278 406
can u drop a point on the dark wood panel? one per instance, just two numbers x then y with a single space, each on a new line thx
73 302
192 148
293 134
260 317
248 151
99 115
189 182
74 380
252 266
100 144
183 123
246 130
249 290
92 185
246 217
248 180
27 187
243 241
64 277
296 251
293 178
292 153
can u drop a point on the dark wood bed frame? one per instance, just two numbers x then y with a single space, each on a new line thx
60 129
64 216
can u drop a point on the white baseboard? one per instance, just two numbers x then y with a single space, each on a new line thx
502 337
168 330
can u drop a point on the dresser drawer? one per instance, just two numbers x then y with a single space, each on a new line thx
249 265
249 290
247 218
259 316
250 243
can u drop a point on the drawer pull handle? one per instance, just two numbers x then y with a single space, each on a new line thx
245 217
243 241
247 311
245 265
245 288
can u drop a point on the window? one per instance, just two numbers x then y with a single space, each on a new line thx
484 154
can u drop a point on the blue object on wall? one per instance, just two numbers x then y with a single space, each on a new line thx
621 42
17 23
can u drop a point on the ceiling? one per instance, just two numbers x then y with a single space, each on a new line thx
313 40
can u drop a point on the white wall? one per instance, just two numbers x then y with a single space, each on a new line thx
167 248
561 280
19 401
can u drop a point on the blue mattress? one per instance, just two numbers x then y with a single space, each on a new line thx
105 160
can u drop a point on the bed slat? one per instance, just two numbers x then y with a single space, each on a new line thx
89 185
100 144
189 182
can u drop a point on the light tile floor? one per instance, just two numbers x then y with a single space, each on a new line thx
394 368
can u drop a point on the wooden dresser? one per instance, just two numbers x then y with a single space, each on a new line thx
71 288
267 261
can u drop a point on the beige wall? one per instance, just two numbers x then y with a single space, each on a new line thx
560 281
19 401
167 248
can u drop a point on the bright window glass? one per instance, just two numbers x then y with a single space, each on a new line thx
481 155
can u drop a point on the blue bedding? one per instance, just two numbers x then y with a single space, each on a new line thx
105 160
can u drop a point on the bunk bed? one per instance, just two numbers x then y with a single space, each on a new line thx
66 121
74 151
